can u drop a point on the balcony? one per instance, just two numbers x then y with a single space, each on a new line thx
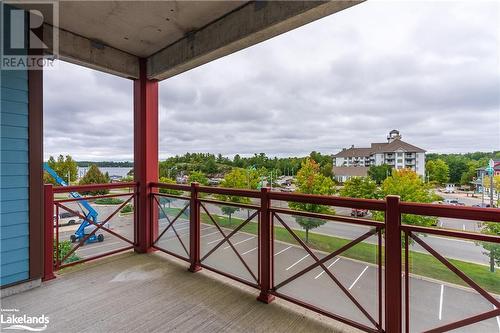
260 252
155 293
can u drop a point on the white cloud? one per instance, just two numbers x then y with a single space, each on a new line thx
429 69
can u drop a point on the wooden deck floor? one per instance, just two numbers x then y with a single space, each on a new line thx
153 293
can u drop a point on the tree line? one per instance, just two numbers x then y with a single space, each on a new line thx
457 168
106 164
218 165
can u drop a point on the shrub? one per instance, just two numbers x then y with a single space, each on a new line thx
64 248
127 209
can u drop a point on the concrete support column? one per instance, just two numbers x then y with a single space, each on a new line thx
145 157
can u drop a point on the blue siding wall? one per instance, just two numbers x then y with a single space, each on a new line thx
14 172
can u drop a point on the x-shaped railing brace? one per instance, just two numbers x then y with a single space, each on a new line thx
321 262
470 282
171 224
226 239
98 226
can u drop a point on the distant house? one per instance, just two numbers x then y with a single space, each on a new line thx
354 162
343 173
480 172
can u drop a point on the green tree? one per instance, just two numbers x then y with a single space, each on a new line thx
379 172
327 169
198 177
95 176
409 187
471 172
311 181
64 167
438 171
360 187
167 200
492 249
238 178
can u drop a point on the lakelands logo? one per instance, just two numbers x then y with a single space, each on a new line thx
12 319
22 25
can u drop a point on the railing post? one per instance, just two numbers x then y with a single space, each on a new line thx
393 290
265 246
145 155
194 229
48 259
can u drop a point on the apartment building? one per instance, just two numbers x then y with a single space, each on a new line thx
354 162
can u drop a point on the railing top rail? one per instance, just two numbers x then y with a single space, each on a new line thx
230 191
330 200
336 218
174 196
178 187
229 203
451 233
89 198
458 212
92 187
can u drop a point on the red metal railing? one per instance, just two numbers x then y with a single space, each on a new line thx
392 270
183 226
54 260
412 232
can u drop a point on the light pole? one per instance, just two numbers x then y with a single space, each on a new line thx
491 171
482 188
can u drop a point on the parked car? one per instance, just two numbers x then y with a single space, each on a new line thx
452 202
483 205
68 218
359 212
287 189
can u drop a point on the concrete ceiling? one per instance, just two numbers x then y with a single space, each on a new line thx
170 37
140 28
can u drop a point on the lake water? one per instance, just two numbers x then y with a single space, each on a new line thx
120 172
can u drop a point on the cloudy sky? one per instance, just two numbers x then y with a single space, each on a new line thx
429 69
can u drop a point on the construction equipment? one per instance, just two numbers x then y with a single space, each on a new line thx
90 213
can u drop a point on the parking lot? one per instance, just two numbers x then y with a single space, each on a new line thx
432 303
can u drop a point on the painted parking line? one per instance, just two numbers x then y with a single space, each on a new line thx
215 241
255 248
188 231
359 277
321 273
243 241
210 234
282 251
441 302
295 263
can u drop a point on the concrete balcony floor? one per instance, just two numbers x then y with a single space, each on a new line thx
155 293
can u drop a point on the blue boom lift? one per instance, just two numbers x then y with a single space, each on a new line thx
90 213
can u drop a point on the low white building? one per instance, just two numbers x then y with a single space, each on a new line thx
395 153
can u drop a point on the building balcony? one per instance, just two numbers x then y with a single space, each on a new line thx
258 253
156 293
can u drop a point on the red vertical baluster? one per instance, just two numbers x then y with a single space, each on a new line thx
48 271
266 255
194 229
392 265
